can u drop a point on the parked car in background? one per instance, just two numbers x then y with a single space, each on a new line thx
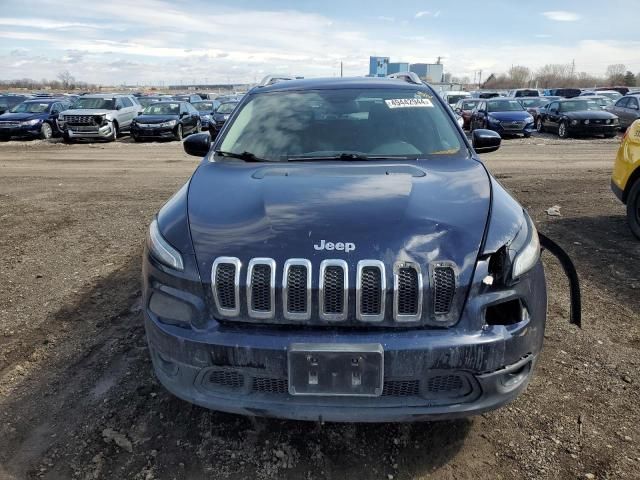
577 117
188 97
145 101
171 119
464 108
485 94
506 116
35 118
220 116
524 92
98 116
452 97
612 94
625 179
206 109
601 100
563 92
621 90
7 102
533 104
627 109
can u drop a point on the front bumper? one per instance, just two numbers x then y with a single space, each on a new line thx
21 131
428 373
504 129
103 132
593 129
153 132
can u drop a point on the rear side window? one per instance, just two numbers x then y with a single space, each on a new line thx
632 103
126 102
622 102
371 122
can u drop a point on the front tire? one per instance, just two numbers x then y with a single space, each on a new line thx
114 132
179 133
633 209
563 130
539 126
46 132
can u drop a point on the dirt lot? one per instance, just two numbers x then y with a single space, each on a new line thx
78 398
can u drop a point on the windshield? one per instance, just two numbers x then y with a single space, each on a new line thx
504 106
93 103
533 102
365 123
146 101
578 105
469 105
162 109
226 107
602 101
203 106
612 95
31 107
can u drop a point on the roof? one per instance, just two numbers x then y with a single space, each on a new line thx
337 83
105 95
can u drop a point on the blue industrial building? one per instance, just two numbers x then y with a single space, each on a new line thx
381 67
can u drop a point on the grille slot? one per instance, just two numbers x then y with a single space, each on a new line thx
444 288
226 378
296 288
261 277
225 280
334 281
270 385
408 293
401 388
370 291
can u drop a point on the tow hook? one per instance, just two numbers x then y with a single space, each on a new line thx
575 314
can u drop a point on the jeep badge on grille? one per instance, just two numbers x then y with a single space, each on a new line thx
346 246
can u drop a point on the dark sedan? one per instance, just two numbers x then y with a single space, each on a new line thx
166 120
506 116
32 119
221 115
534 104
206 108
465 107
146 101
577 117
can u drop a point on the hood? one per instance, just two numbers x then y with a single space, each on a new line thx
221 117
420 212
21 117
87 111
155 118
510 116
590 115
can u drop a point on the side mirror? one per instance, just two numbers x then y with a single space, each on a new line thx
118 107
183 114
485 141
197 144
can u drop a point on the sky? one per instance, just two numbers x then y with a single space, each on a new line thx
114 42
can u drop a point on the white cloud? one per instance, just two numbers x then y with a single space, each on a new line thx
423 13
561 16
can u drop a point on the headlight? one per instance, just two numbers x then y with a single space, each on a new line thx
99 119
206 117
574 122
586 122
529 119
31 122
493 119
226 117
161 250
527 247
615 121
170 123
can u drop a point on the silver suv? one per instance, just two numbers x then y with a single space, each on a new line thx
101 116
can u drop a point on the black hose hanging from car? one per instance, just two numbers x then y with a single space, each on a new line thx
575 299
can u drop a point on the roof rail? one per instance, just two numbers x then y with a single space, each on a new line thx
410 77
271 79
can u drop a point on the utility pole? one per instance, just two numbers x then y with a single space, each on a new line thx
573 67
479 78
340 69
438 60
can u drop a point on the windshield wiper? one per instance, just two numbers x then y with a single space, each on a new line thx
246 156
347 156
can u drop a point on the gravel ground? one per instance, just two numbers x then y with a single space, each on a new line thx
78 399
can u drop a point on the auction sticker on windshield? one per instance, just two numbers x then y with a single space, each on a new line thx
409 103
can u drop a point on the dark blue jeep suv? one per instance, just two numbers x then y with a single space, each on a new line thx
342 254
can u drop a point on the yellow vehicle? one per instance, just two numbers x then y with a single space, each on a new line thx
625 179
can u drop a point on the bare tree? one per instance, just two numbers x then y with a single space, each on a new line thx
66 78
519 76
629 79
615 73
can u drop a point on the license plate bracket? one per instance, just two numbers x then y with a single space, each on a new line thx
336 370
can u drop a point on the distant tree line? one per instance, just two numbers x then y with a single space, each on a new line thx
64 81
561 75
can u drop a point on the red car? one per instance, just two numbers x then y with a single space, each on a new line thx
464 107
